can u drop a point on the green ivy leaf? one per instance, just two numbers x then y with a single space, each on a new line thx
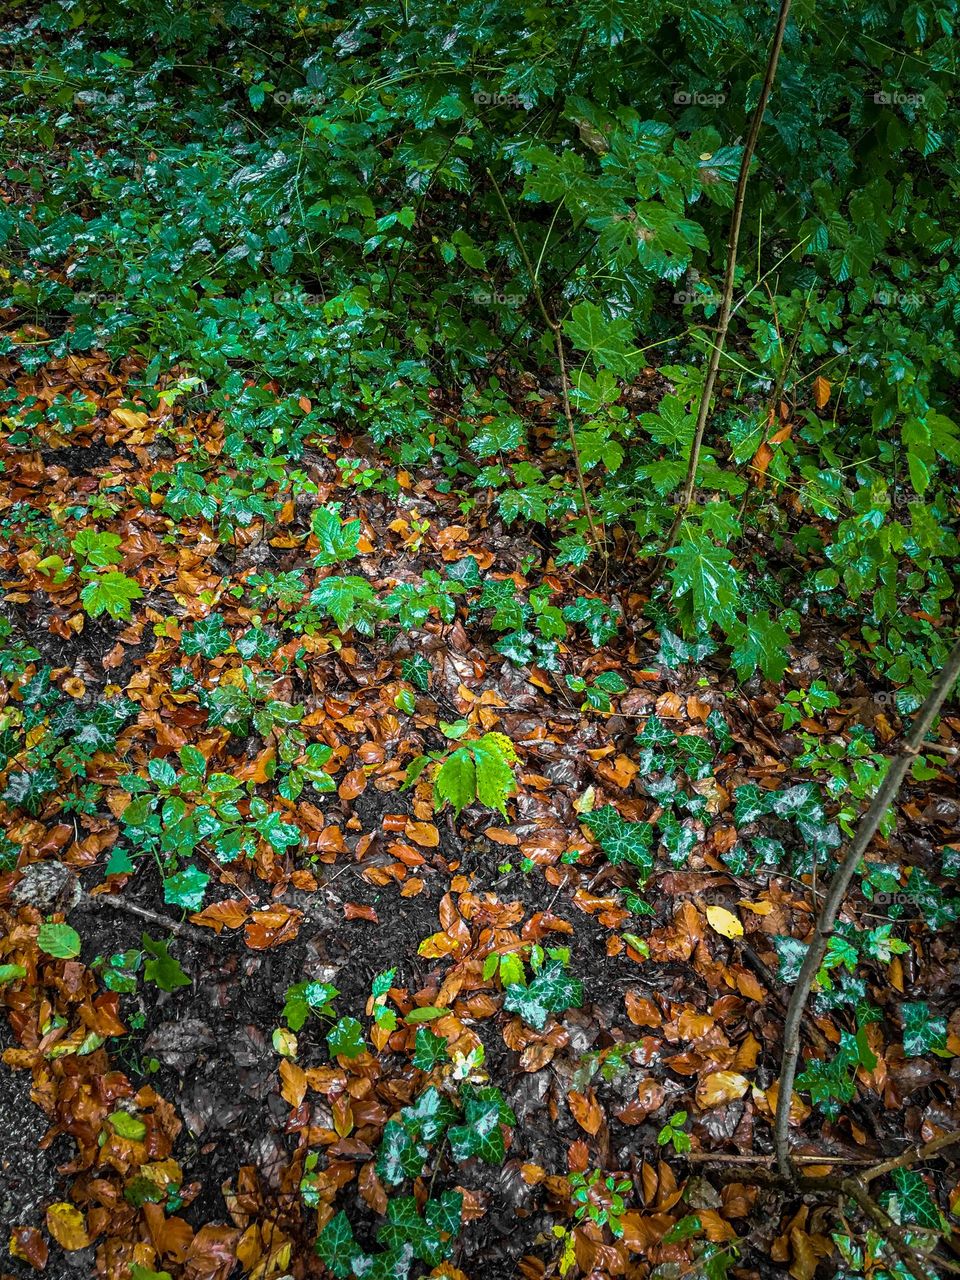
922 1032
552 990
186 888
620 840
345 1039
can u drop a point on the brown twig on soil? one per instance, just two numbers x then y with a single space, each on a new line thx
726 304
556 329
181 929
826 921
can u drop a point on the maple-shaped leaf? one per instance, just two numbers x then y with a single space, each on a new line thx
607 339
552 990
110 593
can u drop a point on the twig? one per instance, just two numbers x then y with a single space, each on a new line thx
916 1154
555 328
826 922
181 929
726 305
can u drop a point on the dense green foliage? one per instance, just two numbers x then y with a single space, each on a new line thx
271 202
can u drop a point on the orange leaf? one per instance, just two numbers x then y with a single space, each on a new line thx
272 927
424 834
229 914
356 911
720 1087
821 391
293 1083
586 1110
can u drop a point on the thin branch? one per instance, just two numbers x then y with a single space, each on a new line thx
555 328
916 1154
726 306
833 901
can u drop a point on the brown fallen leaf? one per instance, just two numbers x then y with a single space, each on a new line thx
720 1087
586 1110
229 914
272 927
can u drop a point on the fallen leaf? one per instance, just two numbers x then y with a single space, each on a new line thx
272 927
68 1226
720 1087
724 922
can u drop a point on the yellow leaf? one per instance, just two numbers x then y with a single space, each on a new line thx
66 1224
724 922
720 1087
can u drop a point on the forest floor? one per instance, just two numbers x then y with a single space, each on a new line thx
241 1138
